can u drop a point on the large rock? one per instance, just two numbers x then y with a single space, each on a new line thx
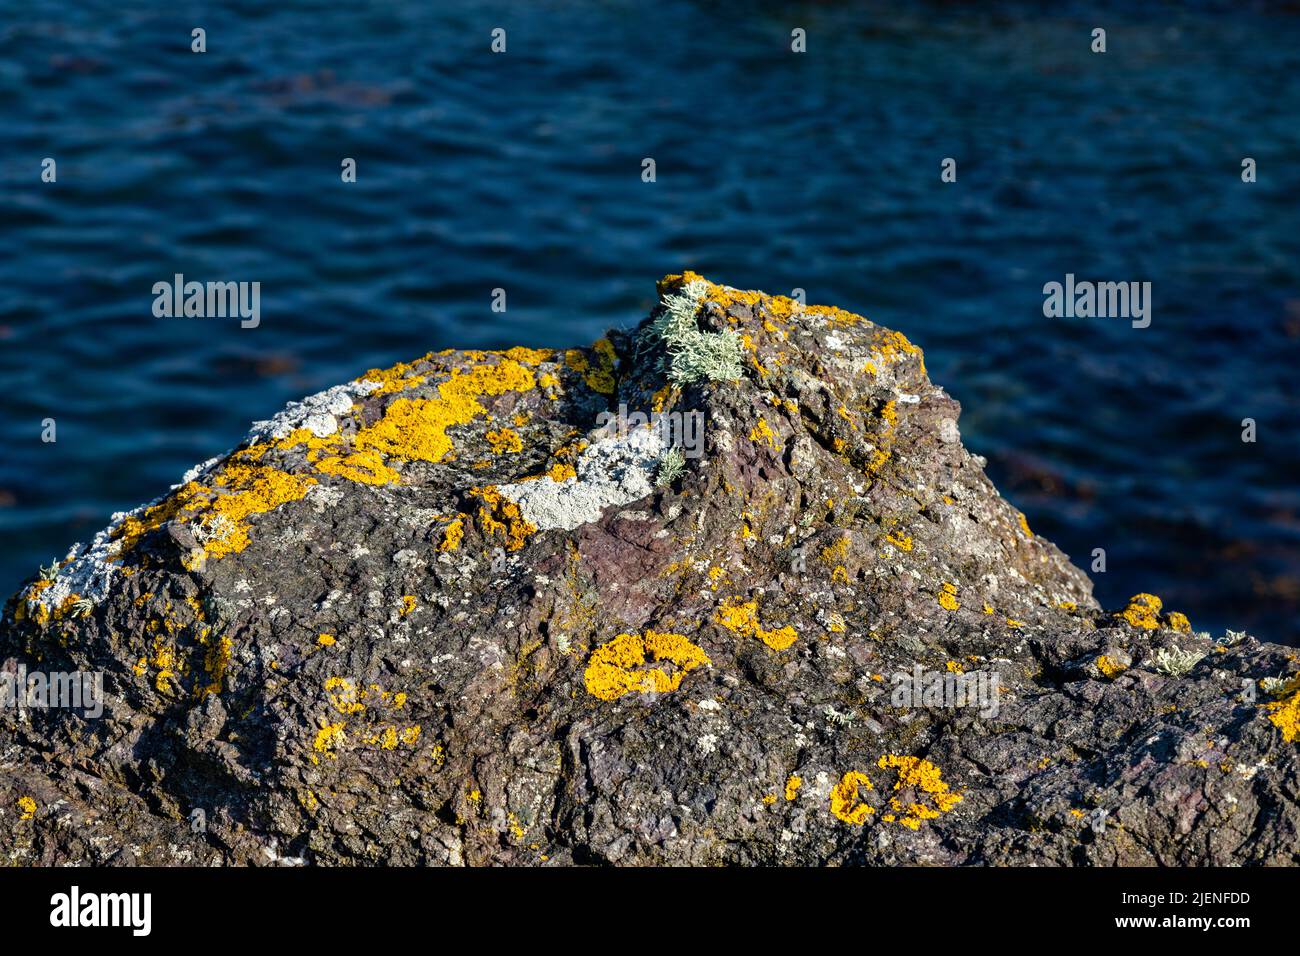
436 616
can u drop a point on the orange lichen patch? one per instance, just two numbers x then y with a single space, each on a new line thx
26 808
408 604
329 737
216 661
135 527
955 667
499 515
600 378
398 378
948 597
893 347
1285 714
762 431
164 659
452 536
661 399
344 696
220 512
528 356
613 670
1109 667
243 491
932 796
899 540
884 439
32 597
416 429
741 617
751 350
504 440
1143 611
326 640
366 467
387 738
844 798
1024 524
560 472
792 785
774 307
1178 621
835 553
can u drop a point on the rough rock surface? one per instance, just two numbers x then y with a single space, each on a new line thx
435 616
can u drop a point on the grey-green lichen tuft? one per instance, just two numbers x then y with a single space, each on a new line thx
691 354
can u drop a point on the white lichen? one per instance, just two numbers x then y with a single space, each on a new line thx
671 465
611 471
316 413
1176 662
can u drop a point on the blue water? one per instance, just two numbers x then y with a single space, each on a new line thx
774 170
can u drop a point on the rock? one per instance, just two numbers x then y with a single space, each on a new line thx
436 616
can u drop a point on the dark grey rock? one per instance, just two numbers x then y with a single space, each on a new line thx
448 716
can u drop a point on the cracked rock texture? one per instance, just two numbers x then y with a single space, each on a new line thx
434 616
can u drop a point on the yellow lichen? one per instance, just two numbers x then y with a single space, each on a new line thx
216 660
1109 667
1143 611
409 603
792 785
762 431
501 516
613 670
329 737
923 778
416 429
948 597
741 617
505 440
1285 714
27 808
367 467
560 472
344 695
899 540
844 798
326 640
452 536
398 378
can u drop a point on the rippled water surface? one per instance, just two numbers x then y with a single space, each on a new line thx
775 170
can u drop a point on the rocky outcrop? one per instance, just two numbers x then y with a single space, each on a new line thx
463 611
